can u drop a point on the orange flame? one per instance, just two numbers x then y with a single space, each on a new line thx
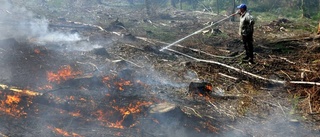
131 109
125 111
101 117
63 132
123 83
75 114
121 89
209 87
37 51
105 79
64 73
120 83
13 99
71 97
45 87
11 105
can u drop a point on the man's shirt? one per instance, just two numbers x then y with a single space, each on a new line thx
246 24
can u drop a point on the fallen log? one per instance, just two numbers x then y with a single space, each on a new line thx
77 25
162 108
230 77
316 37
243 71
237 69
192 49
22 91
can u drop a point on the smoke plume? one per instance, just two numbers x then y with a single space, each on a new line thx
17 22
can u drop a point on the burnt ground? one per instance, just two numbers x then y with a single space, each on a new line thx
108 82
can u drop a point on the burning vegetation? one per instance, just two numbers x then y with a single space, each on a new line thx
63 74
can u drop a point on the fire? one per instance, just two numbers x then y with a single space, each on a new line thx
75 114
121 89
103 116
135 108
105 79
83 99
25 91
123 83
209 87
117 124
132 108
63 132
37 51
45 87
76 135
15 99
15 89
120 83
64 73
71 97
11 105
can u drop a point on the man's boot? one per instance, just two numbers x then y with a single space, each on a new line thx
251 61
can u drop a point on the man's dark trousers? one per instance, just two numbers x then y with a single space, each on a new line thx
248 46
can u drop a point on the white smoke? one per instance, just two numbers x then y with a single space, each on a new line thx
18 22
59 37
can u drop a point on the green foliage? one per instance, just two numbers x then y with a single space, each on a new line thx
295 103
283 48
265 16
280 8
316 17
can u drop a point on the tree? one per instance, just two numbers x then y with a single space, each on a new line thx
172 3
233 10
244 1
218 7
309 8
148 7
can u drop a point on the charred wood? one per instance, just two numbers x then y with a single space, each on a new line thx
101 52
203 88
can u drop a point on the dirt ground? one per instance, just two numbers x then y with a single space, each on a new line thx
244 100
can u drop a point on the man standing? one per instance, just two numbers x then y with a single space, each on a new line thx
246 31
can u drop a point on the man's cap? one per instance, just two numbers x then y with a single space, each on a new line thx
242 6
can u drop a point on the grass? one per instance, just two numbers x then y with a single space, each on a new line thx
295 101
282 48
264 16
162 34
299 24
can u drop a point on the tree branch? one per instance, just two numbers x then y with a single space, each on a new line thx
244 72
